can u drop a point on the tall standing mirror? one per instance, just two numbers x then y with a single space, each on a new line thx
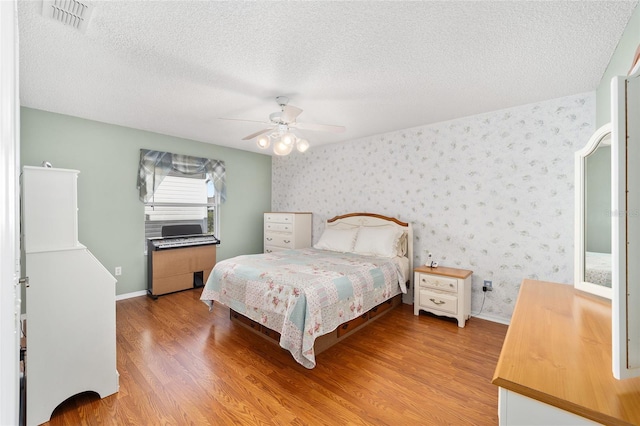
593 215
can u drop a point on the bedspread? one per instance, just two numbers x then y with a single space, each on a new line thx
303 294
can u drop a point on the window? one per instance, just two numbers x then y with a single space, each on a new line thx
182 200
180 190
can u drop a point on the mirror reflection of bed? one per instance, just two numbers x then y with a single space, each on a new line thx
593 214
597 269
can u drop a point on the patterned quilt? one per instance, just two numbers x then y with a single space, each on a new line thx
303 294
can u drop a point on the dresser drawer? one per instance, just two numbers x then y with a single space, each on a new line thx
270 333
278 218
278 227
437 282
244 320
350 325
278 240
440 301
271 249
381 308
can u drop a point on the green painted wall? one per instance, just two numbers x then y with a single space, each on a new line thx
619 64
111 217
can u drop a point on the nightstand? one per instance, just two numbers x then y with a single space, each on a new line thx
443 291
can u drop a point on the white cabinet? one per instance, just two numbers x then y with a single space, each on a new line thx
284 231
49 209
443 291
517 410
70 299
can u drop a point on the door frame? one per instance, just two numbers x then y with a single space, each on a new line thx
10 292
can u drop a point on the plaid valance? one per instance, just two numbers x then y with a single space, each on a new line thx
155 165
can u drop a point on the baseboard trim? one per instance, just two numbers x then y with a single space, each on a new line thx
487 317
130 295
492 318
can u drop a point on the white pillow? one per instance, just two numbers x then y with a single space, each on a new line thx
402 244
380 241
341 240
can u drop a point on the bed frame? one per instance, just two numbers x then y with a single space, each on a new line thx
344 330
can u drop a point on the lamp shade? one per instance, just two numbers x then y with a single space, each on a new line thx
302 145
281 148
263 142
288 138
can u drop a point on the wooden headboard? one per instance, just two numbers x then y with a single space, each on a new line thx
373 220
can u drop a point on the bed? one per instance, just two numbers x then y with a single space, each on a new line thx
308 299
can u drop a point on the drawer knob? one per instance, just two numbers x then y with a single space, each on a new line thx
287 241
269 238
439 302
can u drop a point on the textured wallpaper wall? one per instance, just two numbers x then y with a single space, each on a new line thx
493 193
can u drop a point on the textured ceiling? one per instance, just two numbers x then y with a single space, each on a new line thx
177 67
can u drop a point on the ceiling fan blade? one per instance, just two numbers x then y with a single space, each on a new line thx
242 119
258 133
290 113
319 127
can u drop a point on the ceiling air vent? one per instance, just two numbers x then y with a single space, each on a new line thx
73 13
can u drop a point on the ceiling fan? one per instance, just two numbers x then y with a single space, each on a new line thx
279 130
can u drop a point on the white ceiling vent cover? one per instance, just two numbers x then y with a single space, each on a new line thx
73 13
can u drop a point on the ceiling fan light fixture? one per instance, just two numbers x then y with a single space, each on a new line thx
288 138
302 145
281 148
263 142
282 125
282 129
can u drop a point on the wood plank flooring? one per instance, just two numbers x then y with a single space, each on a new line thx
180 364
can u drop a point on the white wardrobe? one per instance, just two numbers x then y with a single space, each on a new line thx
70 299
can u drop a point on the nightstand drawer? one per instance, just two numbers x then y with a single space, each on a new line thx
438 282
440 301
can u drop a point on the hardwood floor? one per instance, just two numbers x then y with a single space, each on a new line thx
180 364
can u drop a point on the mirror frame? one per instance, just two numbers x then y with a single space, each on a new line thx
625 304
580 240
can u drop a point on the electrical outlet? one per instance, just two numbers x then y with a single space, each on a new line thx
118 270
487 286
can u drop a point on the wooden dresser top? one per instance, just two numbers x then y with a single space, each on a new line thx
558 351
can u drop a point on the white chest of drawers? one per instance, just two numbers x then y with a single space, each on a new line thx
284 231
443 291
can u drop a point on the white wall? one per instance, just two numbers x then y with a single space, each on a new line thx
492 193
